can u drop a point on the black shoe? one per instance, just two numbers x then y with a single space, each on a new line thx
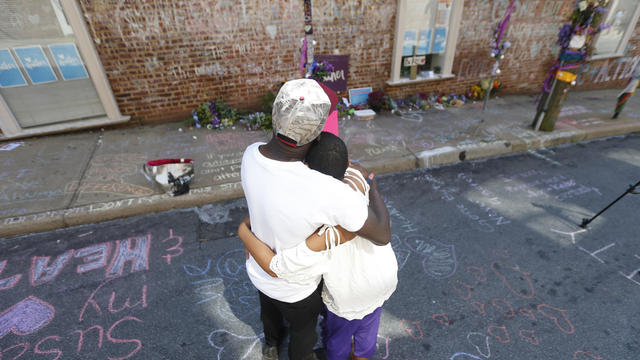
317 354
270 352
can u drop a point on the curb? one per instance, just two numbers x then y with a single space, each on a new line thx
104 211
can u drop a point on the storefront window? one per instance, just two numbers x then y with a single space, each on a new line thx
426 31
43 76
621 19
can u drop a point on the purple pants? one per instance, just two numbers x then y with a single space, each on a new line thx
337 333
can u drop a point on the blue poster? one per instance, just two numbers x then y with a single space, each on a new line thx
68 60
10 74
424 42
359 96
36 64
440 40
408 42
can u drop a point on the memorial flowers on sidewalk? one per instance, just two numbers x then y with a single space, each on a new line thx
219 115
214 115
256 121
379 101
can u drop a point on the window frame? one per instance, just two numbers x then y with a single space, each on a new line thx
9 125
622 46
455 20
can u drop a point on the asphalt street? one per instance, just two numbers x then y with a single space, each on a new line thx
492 265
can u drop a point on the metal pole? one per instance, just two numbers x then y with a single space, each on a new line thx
630 190
308 35
486 95
538 122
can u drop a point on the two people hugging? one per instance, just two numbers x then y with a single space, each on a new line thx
317 234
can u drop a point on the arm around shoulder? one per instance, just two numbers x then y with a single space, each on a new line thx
377 227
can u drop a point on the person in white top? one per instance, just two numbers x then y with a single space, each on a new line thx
358 276
287 201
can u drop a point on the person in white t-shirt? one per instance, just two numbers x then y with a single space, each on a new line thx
287 201
358 276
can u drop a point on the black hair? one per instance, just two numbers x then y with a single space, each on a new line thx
328 155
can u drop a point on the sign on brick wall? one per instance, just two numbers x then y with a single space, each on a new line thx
337 79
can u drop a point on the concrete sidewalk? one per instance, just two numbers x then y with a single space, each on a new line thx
58 181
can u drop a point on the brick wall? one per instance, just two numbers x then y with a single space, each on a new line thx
164 57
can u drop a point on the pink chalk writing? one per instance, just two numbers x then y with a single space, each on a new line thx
110 337
478 306
25 347
513 278
176 248
386 346
8 283
92 302
558 316
127 305
500 333
502 270
463 289
530 336
37 350
138 255
478 273
418 334
47 345
504 307
26 317
134 250
42 273
81 334
527 313
93 257
124 341
441 318
112 299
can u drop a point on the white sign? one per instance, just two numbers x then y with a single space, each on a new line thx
415 60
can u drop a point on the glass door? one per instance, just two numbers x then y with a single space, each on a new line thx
43 77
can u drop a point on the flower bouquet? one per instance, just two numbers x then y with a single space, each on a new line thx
214 115
320 69
575 37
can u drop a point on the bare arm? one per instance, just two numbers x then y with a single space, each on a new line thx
377 227
263 253
316 242
259 250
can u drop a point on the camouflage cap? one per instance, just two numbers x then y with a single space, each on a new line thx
300 111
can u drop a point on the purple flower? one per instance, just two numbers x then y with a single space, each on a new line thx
564 36
330 67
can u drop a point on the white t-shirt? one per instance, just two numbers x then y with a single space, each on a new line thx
287 202
359 276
